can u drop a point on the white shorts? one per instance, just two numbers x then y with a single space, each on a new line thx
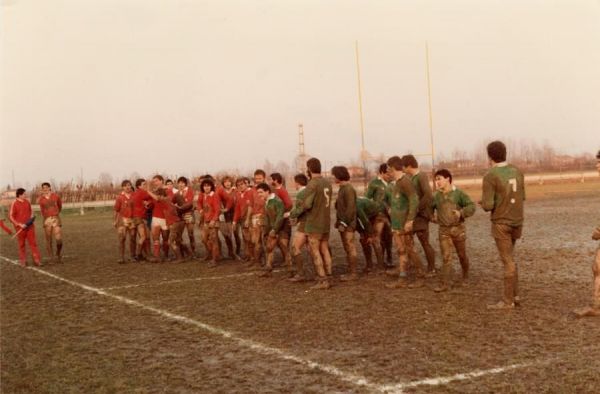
160 222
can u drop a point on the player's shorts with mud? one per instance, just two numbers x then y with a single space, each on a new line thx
139 221
128 223
504 231
52 221
189 218
258 220
160 222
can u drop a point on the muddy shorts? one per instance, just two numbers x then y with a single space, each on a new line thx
506 232
139 221
188 218
52 221
258 220
128 223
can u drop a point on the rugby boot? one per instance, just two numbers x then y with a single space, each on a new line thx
322 284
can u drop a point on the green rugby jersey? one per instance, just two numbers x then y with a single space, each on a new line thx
446 203
297 212
403 201
274 210
504 194
317 205
376 192
345 206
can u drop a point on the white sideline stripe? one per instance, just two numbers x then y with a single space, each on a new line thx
398 388
268 350
257 346
165 282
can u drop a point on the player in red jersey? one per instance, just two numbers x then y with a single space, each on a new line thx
141 200
241 215
159 227
226 225
123 220
20 213
51 205
210 209
187 209
257 211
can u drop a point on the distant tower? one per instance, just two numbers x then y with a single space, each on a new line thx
302 156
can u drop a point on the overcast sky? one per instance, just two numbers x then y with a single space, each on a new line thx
186 86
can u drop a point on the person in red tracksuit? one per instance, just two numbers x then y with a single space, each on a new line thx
20 213
210 209
50 206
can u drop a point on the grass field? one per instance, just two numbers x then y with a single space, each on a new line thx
92 325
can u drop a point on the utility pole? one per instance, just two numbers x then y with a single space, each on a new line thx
301 164
430 112
363 152
81 212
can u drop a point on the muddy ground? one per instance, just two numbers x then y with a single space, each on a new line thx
57 337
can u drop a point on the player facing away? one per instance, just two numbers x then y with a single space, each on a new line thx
50 206
345 210
187 210
275 232
594 308
376 191
21 216
123 220
403 202
317 207
421 225
503 195
451 207
299 238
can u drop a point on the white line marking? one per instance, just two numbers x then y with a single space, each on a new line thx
398 388
357 380
257 346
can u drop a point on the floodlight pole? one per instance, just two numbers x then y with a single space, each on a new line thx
363 152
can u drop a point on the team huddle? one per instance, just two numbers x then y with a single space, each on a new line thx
153 219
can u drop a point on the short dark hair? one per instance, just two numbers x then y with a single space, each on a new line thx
159 177
444 173
169 181
598 155
314 165
260 172
20 192
264 186
396 163
341 173
383 168
207 181
301 179
410 161
46 184
277 178
183 179
126 182
242 180
139 182
496 151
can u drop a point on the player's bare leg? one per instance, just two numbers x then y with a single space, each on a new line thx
57 231
299 240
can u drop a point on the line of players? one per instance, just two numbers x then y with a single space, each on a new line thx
398 205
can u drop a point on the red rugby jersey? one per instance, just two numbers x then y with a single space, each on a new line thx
138 197
124 205
50 205
283 194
